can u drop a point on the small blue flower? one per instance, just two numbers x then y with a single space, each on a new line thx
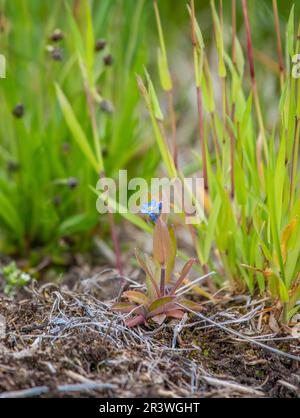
152 209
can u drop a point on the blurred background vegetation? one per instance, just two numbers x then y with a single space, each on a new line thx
45 197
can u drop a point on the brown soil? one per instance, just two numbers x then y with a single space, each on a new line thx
62 342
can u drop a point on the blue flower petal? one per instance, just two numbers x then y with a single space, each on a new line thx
145 208
152 209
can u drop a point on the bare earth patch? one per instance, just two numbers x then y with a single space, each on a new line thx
62 342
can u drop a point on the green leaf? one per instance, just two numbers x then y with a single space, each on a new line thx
77 38
10 216
240 61
164 73
154 100
122 307
131 217
291 32
90 44
293 312
136 296
77 223
142 260
183 274
161 141
173 251
163 67
219 40
194 306
211 228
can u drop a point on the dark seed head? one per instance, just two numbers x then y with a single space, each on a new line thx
108 60
106 107
66 147
18 110
57 54
100 44
57 35
13 166
72 182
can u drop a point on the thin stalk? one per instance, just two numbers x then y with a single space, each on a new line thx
115 240
224 124
294 161
199 100
114 237
253 79
212 112
160 31
167 84
173 127
162 281
215 137
233 56
224 106
221 14
285 313
278 43
202 138
232 152
97 142
233 19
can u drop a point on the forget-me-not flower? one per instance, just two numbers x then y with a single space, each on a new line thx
152 209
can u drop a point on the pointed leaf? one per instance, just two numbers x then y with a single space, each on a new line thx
122 307
191 305
285 236
184 272
173 251
175 313
162 246
143 263
160 302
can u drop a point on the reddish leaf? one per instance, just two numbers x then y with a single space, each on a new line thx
162 309
175 313
184 272
162 245
159 319
137 320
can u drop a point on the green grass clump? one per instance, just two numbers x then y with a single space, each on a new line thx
251 231
68 112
